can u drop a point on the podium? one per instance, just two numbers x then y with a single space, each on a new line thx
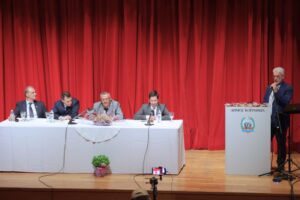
247 140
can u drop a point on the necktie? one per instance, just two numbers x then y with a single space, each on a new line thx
30 111
106 110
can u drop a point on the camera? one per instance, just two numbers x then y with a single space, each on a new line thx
159 171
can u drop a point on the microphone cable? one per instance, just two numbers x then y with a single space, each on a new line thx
63 164
147 148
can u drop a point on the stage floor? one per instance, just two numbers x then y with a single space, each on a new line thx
203 177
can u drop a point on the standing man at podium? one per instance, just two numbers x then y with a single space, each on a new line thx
278 95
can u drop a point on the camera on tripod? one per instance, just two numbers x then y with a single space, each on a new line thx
153 181
159 171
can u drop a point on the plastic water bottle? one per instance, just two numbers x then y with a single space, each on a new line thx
51 116
12 116
158 115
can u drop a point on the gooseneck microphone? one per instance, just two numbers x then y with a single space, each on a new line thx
88 110
272 88
149 121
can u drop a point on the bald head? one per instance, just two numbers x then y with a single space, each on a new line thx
30 93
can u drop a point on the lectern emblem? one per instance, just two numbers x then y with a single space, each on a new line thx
247 124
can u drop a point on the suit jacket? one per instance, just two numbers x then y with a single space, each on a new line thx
60 110
282 99
114 109
146 110
39 106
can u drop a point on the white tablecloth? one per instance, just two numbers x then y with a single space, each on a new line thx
132 147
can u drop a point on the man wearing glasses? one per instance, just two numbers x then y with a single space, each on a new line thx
108 106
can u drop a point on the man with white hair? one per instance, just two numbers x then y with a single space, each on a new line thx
32 107
278 95
108 106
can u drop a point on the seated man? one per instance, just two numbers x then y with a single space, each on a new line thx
108 106
152 108
32 107
66 108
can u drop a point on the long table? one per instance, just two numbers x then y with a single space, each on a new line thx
133 148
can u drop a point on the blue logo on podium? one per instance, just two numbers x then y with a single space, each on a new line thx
247 124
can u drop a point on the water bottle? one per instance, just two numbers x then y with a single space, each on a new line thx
12 116
158 115
51 116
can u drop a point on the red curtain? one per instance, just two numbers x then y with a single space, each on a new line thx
199 54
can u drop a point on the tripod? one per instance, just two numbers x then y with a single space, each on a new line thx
288 175
291 109
154 182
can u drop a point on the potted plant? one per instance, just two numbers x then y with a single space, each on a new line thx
101 165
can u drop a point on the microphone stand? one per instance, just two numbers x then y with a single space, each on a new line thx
279 127
71 121
285 175
148 121
154 182
277 113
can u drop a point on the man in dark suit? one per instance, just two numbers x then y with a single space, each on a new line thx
278 95
152 108
66 108
32 107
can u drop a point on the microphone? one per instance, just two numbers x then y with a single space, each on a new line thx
273 89
88 110
71 121
149 122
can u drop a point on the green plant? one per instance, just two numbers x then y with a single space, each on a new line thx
100 161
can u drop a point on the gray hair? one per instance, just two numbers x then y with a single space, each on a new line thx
104 93
279 70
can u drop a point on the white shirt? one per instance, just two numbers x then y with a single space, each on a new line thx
33 109
154 109
272 98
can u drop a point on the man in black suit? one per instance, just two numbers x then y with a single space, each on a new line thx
152 108
66 108
32 107
278 95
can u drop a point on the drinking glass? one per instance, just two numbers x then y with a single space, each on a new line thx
47 116
147 117
23 115
171 114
